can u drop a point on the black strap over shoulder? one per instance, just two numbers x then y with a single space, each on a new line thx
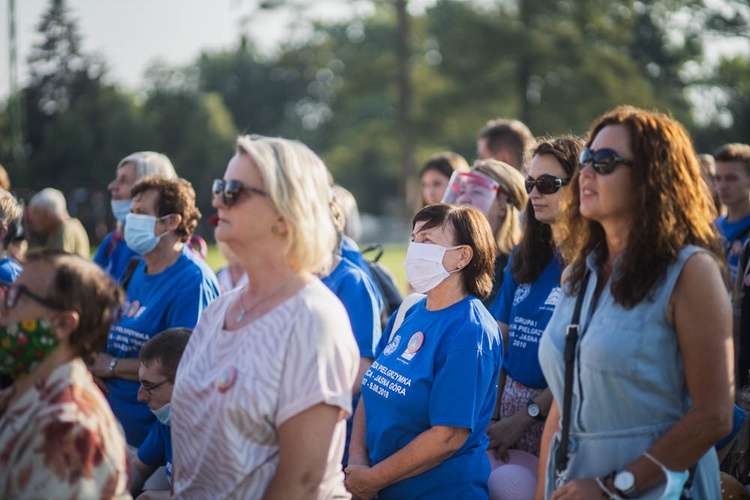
129 270
571 340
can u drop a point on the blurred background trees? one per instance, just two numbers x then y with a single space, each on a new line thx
376 94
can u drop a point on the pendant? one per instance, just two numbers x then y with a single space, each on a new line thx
226 379
241 316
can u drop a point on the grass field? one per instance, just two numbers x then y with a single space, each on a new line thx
393 259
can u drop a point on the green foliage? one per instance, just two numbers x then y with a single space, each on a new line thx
555 65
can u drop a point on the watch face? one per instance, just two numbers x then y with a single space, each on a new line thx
624 480
533 410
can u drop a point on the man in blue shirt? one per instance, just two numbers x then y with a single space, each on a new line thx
159 358
733 188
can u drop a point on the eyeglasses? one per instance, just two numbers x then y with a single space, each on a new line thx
545 184
150 388
230 190
603 161
12 292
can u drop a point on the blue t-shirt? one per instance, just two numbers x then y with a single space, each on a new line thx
156 449
9 270
357 293
350 251
734 235
175 297
113 255
526 308
440 368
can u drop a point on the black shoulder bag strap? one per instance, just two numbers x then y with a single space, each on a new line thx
571 340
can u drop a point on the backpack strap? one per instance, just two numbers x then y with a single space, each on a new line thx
408 302
129 270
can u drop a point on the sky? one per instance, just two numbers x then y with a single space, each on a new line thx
132 33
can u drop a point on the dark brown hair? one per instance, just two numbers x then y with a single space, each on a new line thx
166 348
509 134
536 249
734 151
82 286
675 208
472 229
445 163
176 196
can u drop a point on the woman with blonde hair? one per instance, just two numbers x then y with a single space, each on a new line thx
265 385
645 387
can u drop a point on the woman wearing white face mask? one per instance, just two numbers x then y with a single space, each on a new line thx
169 288
426 400
114 254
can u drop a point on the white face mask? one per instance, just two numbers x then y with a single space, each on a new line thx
424 265
139 232
120 209
164 414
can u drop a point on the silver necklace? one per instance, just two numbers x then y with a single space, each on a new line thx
244 310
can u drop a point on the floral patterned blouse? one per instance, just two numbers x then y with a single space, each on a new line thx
60 440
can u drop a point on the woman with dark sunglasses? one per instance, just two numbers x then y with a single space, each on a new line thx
531 288
264 388
652 371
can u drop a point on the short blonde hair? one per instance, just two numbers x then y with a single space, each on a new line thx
298 184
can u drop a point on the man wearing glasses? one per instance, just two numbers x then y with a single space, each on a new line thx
159 358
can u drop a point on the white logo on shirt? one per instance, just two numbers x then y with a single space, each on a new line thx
392 345
554 297
521 293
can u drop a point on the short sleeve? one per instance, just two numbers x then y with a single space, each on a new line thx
151 451
320 363
460 388
360 302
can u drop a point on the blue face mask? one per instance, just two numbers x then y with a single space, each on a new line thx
139 232
120 209
164 414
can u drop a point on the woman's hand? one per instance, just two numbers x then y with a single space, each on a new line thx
506 432
359 482
100 367
579 489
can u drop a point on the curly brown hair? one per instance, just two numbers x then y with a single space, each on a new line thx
176 196
676 208
536 248
81 286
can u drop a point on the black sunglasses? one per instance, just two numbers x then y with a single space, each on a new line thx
603 161
545 184
230 190
13 292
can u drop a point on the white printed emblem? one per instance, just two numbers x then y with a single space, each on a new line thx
392 345
521 293
554 297
415 342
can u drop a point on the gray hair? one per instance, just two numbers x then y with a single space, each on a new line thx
150 163
52 200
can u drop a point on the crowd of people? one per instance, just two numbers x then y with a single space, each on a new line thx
579 328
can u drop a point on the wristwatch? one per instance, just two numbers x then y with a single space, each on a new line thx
625 483
112 365
534 411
